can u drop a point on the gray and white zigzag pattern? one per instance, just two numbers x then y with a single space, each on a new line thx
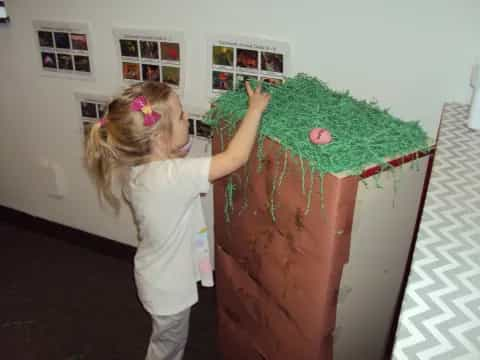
440 316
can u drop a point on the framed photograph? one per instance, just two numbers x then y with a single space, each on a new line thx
45 39
170 51
222 80
82 63
89 110
131 71
247 59
64 49
222 56
149 55
49 60
235 60
171 75
62 40
272 62
79 42
150 72
65 61
129 48
149 49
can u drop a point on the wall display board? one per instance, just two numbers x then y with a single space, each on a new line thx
233 60
151 56
64 49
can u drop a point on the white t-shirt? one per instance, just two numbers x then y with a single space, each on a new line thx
173 252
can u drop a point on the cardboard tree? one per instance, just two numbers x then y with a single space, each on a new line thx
283 224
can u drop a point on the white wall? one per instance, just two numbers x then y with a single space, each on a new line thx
412 57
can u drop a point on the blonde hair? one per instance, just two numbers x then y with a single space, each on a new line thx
122 140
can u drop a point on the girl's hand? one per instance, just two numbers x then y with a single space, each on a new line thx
256 99
238 150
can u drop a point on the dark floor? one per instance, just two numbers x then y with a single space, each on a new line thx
60 300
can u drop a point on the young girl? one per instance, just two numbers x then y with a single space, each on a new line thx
145 131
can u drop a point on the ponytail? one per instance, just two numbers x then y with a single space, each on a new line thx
101 161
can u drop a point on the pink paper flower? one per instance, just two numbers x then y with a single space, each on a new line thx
150 117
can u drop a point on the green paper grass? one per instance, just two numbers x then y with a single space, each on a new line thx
363 133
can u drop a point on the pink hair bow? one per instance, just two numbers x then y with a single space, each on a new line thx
150 117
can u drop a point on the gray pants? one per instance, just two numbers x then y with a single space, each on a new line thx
169 336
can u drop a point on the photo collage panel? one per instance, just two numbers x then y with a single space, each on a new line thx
198 128
64 51
144 59
91 111
232 66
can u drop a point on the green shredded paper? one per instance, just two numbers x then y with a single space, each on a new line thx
362 133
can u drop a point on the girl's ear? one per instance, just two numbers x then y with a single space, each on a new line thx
160 146
158 139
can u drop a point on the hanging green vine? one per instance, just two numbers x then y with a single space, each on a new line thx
229 192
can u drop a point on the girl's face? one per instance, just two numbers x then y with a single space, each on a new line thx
179 124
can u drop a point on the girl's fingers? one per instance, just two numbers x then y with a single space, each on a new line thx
249 89
259 87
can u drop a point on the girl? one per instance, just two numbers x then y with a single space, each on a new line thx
145 131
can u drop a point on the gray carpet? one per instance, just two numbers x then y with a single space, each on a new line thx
61 300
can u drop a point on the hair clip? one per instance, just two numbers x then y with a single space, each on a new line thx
102 121
150 117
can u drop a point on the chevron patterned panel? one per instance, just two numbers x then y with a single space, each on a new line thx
440 316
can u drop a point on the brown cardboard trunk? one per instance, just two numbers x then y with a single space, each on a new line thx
278 281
